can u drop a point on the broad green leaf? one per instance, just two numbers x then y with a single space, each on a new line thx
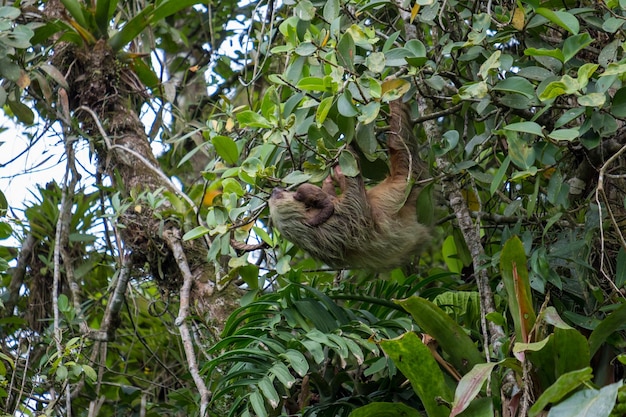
564 134
346 51
331 10
196 232
297 361
348 163
554 53
323 109
515 277
416 362
588 403
269 392
568 116
517 85
226 148
584 73
451 337
450 255
566 85
606 328
296 177
469 386
525 127
9 12
385 410
369 112
345 106
312 84
563 19
595 100
575 44
305 10
612 24
258 405
618 106
248 118
22 112
376 62
566 350
473 90
306 49
492 63
564 385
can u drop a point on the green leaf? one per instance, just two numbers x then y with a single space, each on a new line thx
104 13
248 118
297 361
312 84
526 127
306 49
369 112
563 386
305 10
269 392
258 405
416 362
63 303
575 44
348 163
554 53
498 178
196 232
588 403
563 19
606 328
345 106
515 277
451 337
564 134
516 85
618 106
595 100
76 11
566 85
148 16
22 112
385 410
346 51
323 109
226 148
331 10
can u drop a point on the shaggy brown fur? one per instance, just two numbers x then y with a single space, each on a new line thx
375 229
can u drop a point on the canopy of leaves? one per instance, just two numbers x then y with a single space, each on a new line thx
519 109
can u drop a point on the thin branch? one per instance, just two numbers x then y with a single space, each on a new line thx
173 241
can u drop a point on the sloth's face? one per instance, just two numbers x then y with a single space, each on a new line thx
284 206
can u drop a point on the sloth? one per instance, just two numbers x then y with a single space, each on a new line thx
375 229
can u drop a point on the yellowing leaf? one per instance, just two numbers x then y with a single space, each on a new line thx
519 18
414 11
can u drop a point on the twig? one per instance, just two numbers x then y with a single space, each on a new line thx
173 241
600 192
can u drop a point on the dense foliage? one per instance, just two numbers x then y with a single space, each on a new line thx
154 284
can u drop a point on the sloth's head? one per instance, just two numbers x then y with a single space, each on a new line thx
309 206
283 205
